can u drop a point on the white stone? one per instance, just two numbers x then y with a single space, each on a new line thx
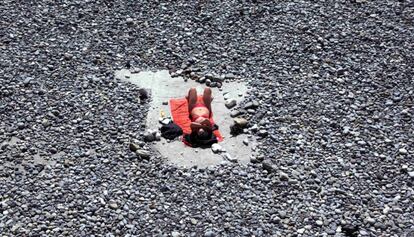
228 157
403 151
216 148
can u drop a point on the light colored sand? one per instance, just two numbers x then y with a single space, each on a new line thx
163 87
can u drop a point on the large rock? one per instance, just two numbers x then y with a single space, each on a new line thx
149 136
216 148
231 103
143 153
241 122
133 146
235 113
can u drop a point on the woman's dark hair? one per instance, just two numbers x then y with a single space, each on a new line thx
204 139
204 135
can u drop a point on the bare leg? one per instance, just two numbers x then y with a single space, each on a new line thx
192 99
207 98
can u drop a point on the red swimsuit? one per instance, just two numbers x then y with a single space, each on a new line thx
195 117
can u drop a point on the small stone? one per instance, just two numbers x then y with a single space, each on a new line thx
216 148
228 157
283 176
262 133
214 78
319 223
158 136
282 214
143 94
251 105
133 146
254 128
246 141
165 121
231 103
208 82
370 220
241 122
45 122
404 168
253 160
346 130
165 102
113 205
67 162
229 76
149 136
202 80
129 21
350 230
386 210
269 166
15 227
411 174
235 113
248 105
175 234
209 233
143 153
403 151
301 230
20 125
194 221
68 56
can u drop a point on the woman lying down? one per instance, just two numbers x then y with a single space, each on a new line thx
200 114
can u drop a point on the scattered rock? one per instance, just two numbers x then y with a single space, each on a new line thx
175 234
113 205
403 151
228 157
235 113
149 136
209 233
229 76
20 125
262 133
254 128
241 122
143 94
283 176
269 166
158 136
251 105
129 21
165 121
231 103
235 130
133 146
216 148
143 153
